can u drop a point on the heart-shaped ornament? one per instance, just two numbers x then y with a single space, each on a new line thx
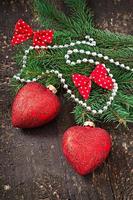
33 106
86 147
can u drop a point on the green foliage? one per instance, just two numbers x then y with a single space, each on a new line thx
74 26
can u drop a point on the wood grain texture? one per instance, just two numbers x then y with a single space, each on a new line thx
32 166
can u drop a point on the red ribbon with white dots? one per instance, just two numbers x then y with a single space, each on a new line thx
98 75
24 32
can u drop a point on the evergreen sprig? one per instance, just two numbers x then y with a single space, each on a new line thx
74 26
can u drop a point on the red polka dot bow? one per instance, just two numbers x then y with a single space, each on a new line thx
98 75
23 32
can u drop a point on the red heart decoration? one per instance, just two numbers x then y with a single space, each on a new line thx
33 106
86 148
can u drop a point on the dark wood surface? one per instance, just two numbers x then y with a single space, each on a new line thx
32 166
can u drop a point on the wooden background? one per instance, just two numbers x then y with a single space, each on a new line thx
32 166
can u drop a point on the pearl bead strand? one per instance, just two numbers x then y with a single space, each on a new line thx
85 60
83 103
90 42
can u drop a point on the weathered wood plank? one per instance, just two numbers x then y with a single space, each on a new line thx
32 165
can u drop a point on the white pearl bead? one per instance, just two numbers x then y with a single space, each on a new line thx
68 62
84 104
72 43
65 86
94 111
99 55
28 81
100 111
113 80
88 52
83 42
37 47
94 43
61 46
90 43
88 108
60 75
91 61
117 63
22 80
91 39
108 70
14 76
24 61
81 51
26 51
111 75
55 71
111 60
97 63
111 98
84 60
31 48
69 91
93 53
75 50
78 42
113 94
18 78
108 103
76 100
73 63
66 56
87 37
115 89
73 96
105 107
81 102
24 57
127 67
106 57
66 45
115 84
122 65
78 61
69 52
63 80
55 46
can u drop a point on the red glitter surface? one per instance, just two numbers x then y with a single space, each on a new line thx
33 106
86 148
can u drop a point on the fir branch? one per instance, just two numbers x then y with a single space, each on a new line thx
75 27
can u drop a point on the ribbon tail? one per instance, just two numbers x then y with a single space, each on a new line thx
85 90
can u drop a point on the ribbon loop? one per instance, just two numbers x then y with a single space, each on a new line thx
98 75
24 32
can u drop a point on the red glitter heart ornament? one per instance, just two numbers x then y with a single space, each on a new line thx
33 106
86 148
